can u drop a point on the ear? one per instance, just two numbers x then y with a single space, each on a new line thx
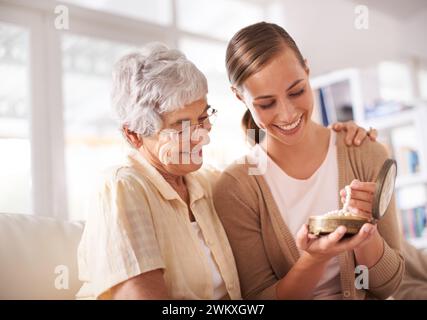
237 94
132 137
307 69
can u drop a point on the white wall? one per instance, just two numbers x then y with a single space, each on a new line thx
325 33
415 35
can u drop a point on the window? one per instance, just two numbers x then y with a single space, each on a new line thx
209 58
15 159
54 146
92 137
158 11
219 19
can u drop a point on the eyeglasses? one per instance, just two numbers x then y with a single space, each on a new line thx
186 126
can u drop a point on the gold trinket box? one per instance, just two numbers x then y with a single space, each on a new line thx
325 224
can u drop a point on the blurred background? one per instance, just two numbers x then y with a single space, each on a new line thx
57 131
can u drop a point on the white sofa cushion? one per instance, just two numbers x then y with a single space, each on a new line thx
31 248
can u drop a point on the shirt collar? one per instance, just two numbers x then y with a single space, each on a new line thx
194 187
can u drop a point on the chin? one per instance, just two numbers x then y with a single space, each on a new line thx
186 165
185 169
195 166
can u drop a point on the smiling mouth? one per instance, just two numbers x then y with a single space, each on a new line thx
291 126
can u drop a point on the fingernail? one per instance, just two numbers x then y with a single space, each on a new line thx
367 229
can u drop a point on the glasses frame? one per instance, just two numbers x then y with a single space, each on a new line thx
210 119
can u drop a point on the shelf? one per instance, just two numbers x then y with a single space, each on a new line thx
392 120
402 132
419 243
411 179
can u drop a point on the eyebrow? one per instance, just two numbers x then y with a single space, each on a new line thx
289 88
186 119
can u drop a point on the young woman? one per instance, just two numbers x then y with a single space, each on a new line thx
264 215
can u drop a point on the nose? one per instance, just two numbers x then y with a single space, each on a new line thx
286 111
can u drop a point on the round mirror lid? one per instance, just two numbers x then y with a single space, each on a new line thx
384 189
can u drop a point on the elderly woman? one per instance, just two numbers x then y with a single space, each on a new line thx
154 233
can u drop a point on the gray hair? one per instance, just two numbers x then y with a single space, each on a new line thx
151 81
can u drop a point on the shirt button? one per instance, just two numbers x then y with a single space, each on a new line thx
346 294
230 287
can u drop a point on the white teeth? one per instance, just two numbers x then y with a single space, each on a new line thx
292 125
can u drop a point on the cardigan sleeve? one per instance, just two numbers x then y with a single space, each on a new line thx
386 275
414 284
235 203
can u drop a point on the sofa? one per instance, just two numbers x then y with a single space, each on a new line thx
38 257
38 260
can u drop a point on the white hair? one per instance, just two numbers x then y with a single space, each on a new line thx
151 81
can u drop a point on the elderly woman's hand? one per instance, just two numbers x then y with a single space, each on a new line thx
355 134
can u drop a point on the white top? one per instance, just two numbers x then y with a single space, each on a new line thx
298 199
218 283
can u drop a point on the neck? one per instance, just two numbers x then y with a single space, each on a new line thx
311 146
175 181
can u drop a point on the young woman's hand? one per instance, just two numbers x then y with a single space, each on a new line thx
355 134
323 248
362 196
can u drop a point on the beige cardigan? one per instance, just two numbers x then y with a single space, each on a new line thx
414 284
264 248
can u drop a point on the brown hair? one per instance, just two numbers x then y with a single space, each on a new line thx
250 49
